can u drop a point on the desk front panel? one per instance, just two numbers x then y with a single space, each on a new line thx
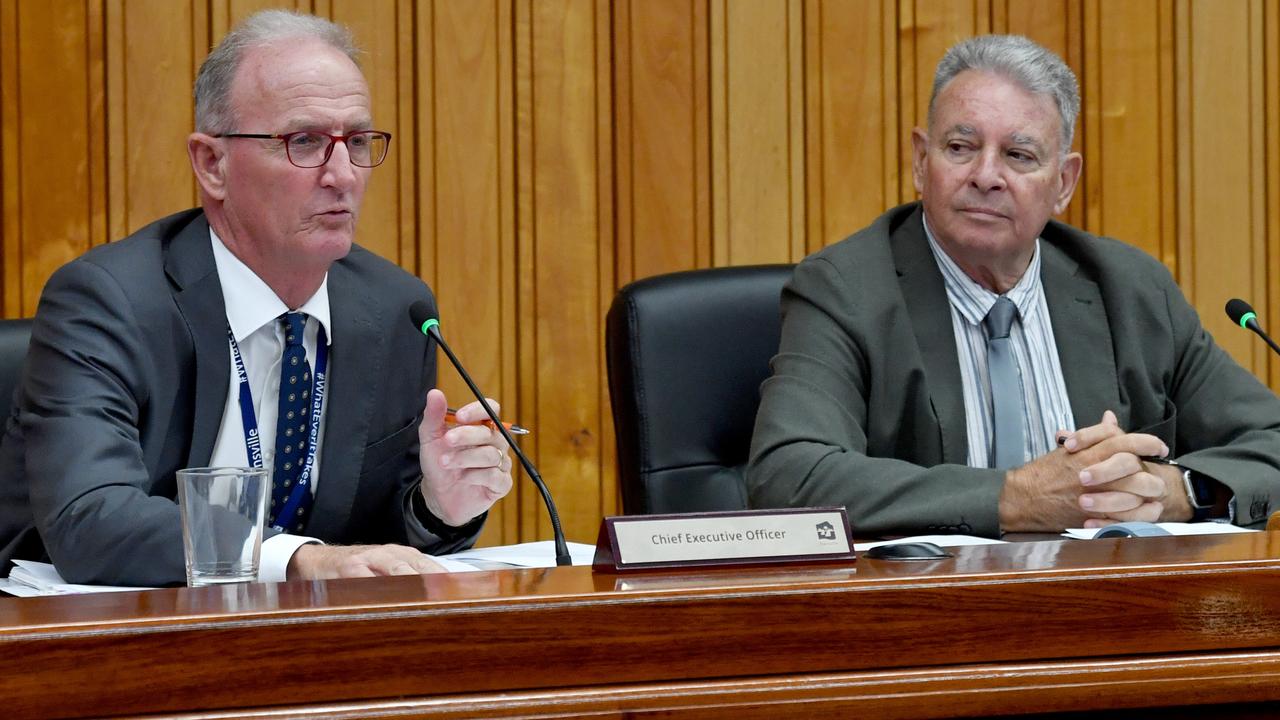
1049 626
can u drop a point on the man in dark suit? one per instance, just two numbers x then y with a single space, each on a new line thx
934 367
193 341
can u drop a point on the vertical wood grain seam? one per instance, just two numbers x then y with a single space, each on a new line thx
1271 81
624 153
504 29
1169 146
1186 144
719 133
406 122
815 125
117 196
607 494
796 130
891 136
96 82
525 154
1258 173
10 159
1092 185
702 118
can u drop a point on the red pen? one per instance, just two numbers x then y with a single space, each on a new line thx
451 417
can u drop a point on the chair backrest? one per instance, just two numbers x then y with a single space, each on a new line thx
686 355
15 336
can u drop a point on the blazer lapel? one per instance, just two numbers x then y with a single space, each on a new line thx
926 298
1086 352
356 359
198 294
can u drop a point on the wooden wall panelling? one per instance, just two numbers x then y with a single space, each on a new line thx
1271 83
1127 179
52 119
559 47
471 238
373 22
927 28
150 110
10 167
1057 25
1224 254
661 125
757 132
851 113
606 480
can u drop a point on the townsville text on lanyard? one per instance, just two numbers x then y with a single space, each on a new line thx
253 443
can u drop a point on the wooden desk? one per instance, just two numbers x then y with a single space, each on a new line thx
1033 627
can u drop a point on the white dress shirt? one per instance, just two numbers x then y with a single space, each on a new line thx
1046 406
252 309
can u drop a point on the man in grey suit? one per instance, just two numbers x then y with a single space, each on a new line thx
192 343
966 364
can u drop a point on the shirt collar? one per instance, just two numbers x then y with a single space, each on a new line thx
251 303
974 301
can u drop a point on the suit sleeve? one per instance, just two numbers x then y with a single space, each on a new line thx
810 446
91 494
1227 422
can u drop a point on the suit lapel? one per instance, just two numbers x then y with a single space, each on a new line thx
198 294
1086 352
926 298
356 363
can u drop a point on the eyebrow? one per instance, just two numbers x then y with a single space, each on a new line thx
961 129
1023 139
304 124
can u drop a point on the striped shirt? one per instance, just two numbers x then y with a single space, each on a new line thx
1047 409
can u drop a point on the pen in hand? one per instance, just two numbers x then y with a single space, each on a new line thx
450 416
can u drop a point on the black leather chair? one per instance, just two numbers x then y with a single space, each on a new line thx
15 336
686 355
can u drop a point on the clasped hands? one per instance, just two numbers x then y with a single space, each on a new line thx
466 468
1096 478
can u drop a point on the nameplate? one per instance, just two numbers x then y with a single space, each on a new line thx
750 537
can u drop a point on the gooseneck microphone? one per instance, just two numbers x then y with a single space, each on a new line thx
420 313
1243 315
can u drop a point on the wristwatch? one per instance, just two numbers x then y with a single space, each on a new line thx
1200 490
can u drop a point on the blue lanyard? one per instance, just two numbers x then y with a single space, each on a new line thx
252 440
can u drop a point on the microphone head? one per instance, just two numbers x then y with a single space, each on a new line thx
1240 312
423 318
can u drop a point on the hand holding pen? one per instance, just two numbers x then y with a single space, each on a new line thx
451 417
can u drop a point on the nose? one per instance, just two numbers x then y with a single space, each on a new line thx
339 173
987 171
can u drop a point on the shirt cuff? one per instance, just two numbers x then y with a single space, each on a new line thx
277 551
424 526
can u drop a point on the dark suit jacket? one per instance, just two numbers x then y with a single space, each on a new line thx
865 407
126 382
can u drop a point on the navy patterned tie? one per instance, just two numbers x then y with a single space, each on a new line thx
291 426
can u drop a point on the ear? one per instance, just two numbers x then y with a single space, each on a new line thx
919 151
208 162
1068 176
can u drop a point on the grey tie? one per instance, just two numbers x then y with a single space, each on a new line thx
1006 387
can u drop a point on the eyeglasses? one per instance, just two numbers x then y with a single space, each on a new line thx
311 149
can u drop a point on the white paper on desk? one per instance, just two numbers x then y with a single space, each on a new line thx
939 540
540 554
32 578
1174 528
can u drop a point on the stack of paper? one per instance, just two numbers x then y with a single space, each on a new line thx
33 579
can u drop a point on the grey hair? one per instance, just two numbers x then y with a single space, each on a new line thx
1021 60
217 73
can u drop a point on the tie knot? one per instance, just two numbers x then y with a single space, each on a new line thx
294 324
1000 318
